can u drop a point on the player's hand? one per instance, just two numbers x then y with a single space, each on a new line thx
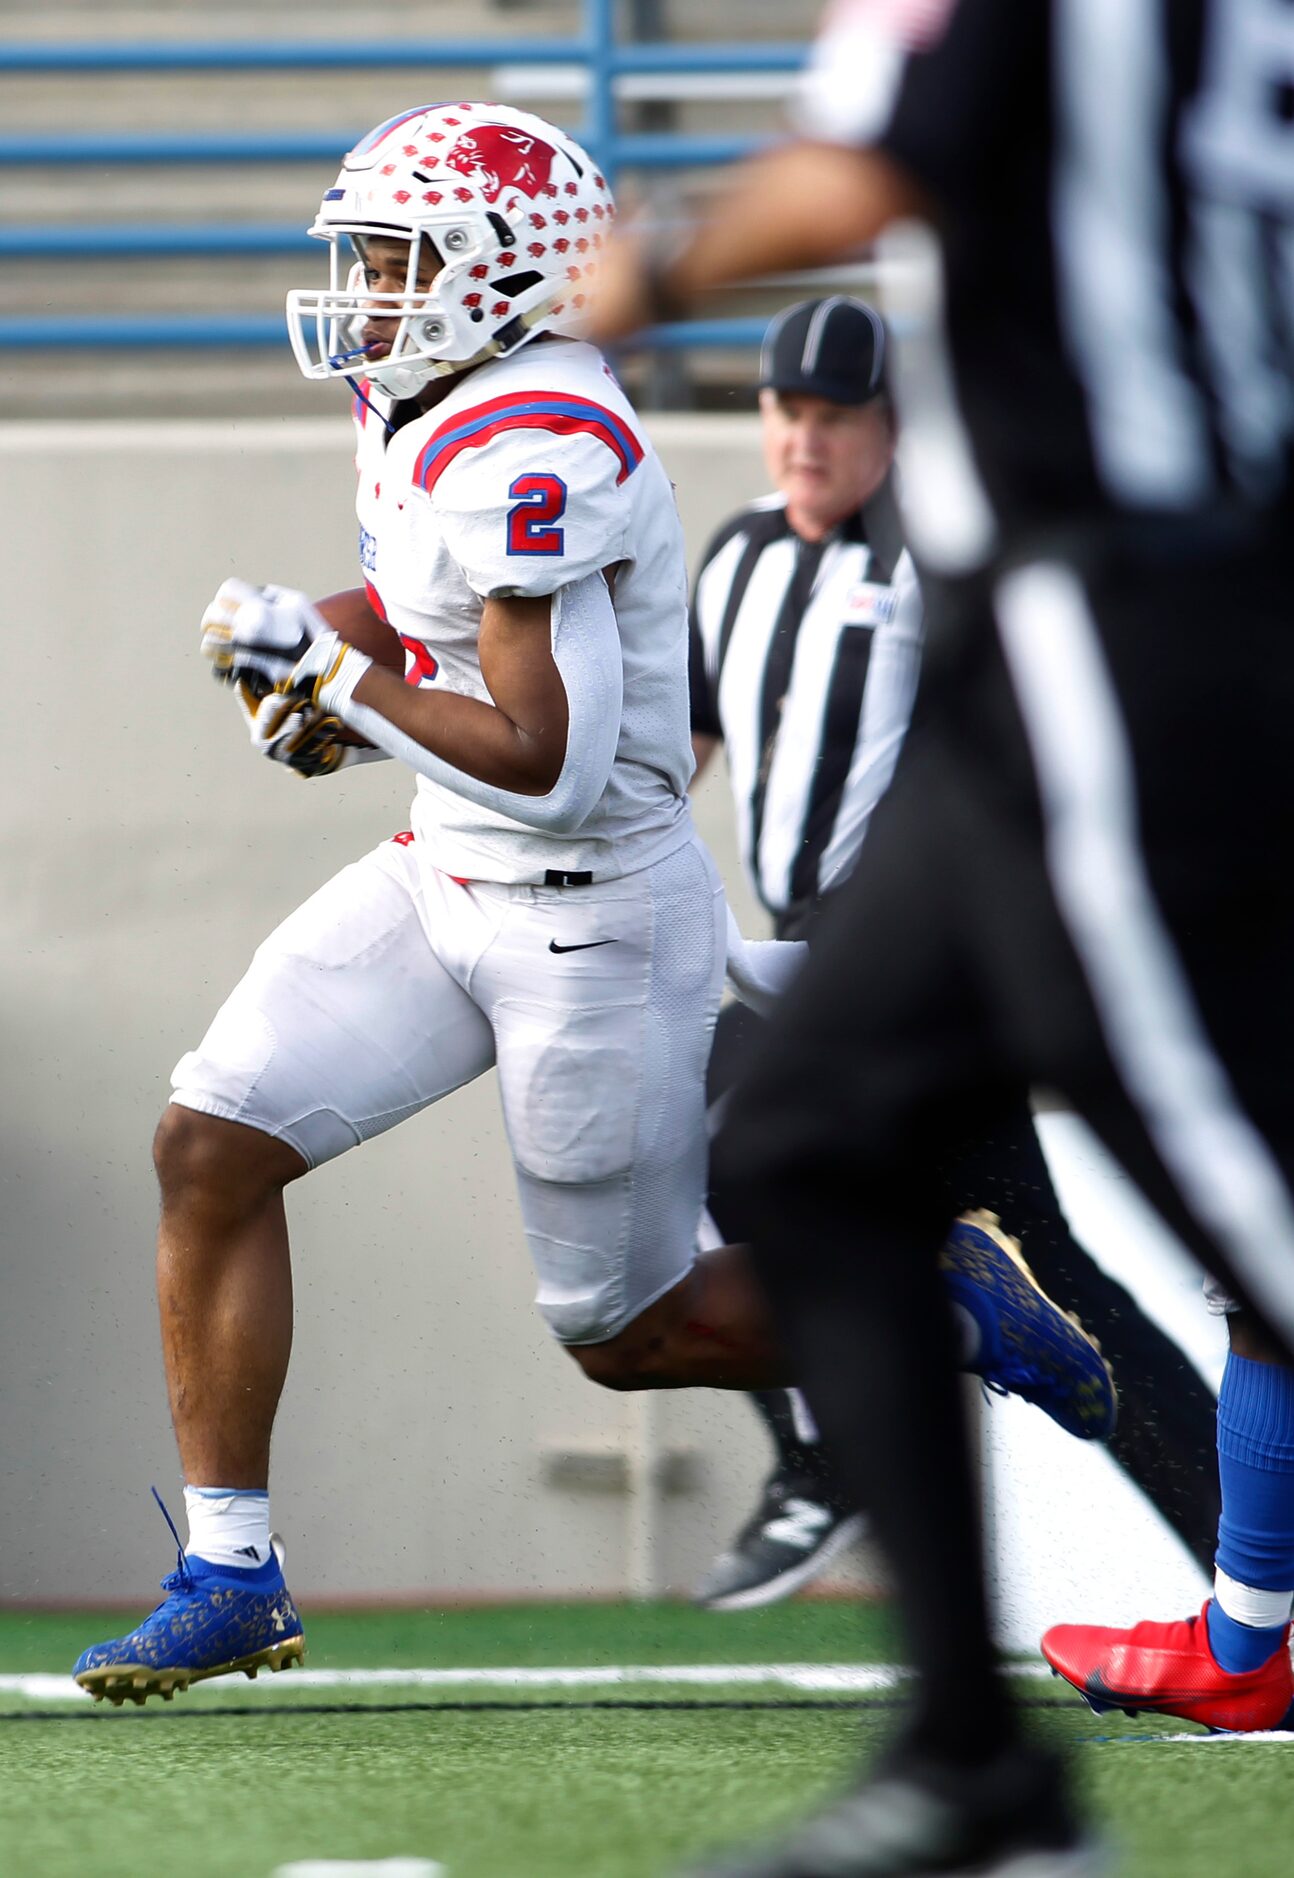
287 730
327 674
256 635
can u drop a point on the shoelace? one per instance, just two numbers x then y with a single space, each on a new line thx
181 1579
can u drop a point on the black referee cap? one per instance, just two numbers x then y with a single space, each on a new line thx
833 348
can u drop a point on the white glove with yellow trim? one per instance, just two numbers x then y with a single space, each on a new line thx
288 729
328 674
255 636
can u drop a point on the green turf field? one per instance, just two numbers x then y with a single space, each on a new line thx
598 1775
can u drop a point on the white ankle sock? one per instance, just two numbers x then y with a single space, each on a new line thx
228 1525
1246 1604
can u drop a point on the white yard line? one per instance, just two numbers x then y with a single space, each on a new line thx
361 1868
1269 1737
810 1678
803 1678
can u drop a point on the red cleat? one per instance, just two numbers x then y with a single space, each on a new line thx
1169 1669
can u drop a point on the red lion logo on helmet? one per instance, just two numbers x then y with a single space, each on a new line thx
498 158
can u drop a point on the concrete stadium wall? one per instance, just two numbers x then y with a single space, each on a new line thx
433 1441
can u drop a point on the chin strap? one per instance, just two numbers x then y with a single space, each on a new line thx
360 397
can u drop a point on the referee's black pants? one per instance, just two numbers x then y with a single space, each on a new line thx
1080 879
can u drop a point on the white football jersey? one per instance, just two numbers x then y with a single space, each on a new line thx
530 474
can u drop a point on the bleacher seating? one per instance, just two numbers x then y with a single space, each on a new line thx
108 238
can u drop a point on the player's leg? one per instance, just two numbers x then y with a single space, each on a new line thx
832 1148
837 1159
712 1329
802 1519
602 1037
622 1076
1017 1330
1187 956
801 1522
1165 1435
224 1291
345 1024
1249 1614
835 1141
1009 1334
1228 1665
1168 877
894 1046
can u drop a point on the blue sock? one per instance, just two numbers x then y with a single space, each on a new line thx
1256 1533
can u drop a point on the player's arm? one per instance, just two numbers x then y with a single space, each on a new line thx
540 746
703 748
703 706
896 106
516 743
758 225
541 750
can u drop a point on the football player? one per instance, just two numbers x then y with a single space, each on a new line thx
550 910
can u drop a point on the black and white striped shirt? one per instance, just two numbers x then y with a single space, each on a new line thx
804 661
1118 177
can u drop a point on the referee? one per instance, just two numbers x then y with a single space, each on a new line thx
1082 869
806 640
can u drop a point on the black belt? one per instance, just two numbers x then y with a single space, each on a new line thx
556 878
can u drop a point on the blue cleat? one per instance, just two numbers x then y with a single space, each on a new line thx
1029 1347
215 1620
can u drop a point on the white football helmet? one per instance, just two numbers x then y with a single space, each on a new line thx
516 213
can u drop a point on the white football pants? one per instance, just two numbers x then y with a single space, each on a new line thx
395 984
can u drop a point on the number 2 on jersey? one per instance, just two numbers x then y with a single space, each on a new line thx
541 501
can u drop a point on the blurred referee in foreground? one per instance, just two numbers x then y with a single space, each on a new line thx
1081 873
805 647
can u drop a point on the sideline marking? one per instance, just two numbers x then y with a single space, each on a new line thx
830 1678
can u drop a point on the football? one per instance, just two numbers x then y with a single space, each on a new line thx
351 615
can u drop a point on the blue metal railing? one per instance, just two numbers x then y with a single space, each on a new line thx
595 48
77 243
127 332
602 53
648 150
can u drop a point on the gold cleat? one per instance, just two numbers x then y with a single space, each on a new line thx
1031 1347
135 1682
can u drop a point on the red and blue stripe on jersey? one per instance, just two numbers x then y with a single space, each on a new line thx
359 404
564 413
